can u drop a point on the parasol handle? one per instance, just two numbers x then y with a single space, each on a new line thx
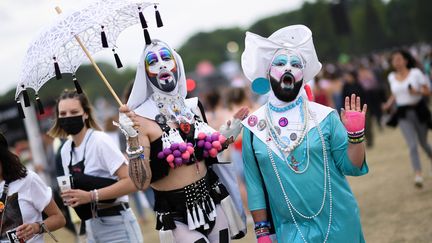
99 72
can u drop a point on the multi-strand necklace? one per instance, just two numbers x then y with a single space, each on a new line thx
285 147
327 183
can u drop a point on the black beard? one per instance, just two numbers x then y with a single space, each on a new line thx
285 95
168 87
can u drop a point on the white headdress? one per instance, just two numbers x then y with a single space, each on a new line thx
143 89
259 51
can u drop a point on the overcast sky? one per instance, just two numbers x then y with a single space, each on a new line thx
21 20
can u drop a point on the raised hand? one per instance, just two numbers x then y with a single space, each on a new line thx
128 123
353 116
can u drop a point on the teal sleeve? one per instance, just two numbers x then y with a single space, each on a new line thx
254 184
339 148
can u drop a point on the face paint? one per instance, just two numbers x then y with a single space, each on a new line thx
161 68
286 75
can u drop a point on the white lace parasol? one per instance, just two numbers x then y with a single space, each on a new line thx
60 40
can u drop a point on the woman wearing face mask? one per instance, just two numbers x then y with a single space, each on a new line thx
92 159
409 86
23 198
175 150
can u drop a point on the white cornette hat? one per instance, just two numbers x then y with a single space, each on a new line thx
259 51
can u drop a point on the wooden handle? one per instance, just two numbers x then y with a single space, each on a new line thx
99 72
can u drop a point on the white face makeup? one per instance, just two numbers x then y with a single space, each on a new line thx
161 67
286 74
287 68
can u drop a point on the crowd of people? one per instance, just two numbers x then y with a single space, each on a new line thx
290 151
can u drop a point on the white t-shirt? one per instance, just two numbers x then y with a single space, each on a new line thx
400 88
102 156
27 198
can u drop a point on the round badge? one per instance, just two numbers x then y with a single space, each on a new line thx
261 125
293 136
283 122
185 127
252 120
160 119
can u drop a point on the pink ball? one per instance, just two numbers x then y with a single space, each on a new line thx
222 139
178 161
174 146
201 135
191 150
161 155
207 145
170 158
185 155
176 153
200 143
167 151
182 147
219 148
171 164
213 152
205 154
216 144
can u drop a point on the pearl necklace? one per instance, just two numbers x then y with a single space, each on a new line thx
327 180
287 148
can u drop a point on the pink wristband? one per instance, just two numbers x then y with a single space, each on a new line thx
355 121
264 239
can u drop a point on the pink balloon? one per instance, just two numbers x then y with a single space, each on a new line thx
201 135
213 152
191 150
216 144
170 158
185 155
222 139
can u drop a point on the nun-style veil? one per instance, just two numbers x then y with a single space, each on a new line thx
142 89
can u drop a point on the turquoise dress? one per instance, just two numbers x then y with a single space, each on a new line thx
305 191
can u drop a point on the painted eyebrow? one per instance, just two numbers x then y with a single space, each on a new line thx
295 59
150 57
281 58
164 52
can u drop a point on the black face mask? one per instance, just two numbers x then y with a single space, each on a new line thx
72 124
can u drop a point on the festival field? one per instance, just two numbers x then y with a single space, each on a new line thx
392 209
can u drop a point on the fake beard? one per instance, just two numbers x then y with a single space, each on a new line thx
287 88
166 80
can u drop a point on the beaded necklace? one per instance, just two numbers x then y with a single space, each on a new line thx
327 182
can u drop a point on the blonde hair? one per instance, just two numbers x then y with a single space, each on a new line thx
90 122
